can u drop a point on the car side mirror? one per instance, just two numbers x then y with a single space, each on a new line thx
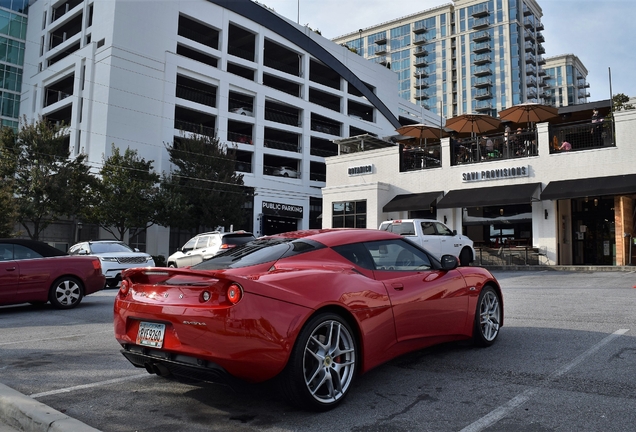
454 232
136 249
449 262
82 252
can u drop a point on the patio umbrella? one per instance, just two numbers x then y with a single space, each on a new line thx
473 123
421 131
528 112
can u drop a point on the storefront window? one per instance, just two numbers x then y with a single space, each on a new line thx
349 214
498 226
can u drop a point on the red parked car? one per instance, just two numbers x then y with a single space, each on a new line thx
34 272
314 308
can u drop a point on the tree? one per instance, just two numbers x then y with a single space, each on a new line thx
127 195
203 190
8 206
46 182
620 101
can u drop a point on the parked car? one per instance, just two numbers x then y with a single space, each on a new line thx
242 111
434 236
313 308
34 272
285 172
114 255
206 245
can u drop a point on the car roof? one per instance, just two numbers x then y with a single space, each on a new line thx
42 248
338 236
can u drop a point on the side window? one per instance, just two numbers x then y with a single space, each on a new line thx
357 254
6 252
22 252
443 229
428 228
397 255
189 245
202 242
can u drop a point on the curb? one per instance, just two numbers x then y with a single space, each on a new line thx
28 415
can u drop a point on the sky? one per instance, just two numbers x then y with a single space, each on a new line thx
601 33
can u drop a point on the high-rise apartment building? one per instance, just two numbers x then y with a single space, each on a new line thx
470 56
565 82
13 28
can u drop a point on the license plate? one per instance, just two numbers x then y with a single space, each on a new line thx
151 334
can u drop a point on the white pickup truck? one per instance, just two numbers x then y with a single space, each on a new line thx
433 236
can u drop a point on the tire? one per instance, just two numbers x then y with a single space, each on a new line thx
286 175
322 364
487 317
66 293
465 257
172 265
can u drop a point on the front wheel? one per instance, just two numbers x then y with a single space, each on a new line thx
66 293
487 317
322 364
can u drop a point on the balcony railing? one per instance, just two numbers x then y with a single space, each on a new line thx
494 147
420 157
583 135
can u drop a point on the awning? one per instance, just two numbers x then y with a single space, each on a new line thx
417 201
598 186
489 196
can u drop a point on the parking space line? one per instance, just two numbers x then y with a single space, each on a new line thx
86 386
53 338
500 412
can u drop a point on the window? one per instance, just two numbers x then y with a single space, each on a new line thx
397 255
349 214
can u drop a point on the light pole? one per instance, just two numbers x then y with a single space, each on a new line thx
298 11
361 48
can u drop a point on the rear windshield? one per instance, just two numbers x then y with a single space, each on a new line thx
237 239
258 251
404 228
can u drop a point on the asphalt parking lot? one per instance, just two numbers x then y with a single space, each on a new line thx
564 361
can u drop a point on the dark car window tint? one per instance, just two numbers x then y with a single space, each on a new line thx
238 239
6 252
22 252
258 252
356 253
398 255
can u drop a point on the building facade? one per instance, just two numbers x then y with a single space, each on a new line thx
562 205
471 56
134 75
13 29
565 82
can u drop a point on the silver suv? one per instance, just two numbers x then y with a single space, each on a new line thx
206 245
115 256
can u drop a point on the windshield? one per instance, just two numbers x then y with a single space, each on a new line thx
109 247
258 251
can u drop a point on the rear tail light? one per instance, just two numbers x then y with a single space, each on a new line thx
227 246
234 293
97 264
124 287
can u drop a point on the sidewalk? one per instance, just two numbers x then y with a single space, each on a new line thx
20 413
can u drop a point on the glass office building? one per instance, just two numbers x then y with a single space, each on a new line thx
13 25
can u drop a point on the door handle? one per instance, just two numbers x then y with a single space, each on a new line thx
10 269
397 286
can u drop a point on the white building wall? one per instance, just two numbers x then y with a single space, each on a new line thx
389 181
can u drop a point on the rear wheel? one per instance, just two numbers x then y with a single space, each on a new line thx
465 257
66 292
322 364
487 317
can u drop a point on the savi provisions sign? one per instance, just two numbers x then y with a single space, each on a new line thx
496 174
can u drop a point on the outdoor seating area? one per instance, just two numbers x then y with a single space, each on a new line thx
510 255
479 138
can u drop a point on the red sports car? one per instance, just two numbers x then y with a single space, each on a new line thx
314 308
34 272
